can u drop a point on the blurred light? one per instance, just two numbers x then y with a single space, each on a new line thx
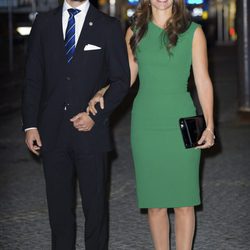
205 15
32 16
232 33
195 1
133 2
102 2
197 12
130 12
24 31
112 2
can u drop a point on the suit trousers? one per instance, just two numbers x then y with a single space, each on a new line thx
62 166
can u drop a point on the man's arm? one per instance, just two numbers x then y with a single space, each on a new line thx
119 73
33 78
32 89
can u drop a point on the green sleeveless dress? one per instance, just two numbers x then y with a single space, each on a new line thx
167 174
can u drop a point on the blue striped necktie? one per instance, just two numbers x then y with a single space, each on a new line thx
70 43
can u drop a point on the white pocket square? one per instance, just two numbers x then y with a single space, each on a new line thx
91 47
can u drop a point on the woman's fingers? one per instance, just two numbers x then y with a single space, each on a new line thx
90 110
93 110
87 110
202 139
204 146
206 141
92 104
102 103
96 99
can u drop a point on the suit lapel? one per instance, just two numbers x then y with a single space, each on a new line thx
86 30
57 36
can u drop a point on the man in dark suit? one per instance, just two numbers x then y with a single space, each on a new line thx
73 52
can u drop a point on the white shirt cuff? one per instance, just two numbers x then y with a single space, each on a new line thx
29 129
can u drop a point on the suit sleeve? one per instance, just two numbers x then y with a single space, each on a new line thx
118 71
33 78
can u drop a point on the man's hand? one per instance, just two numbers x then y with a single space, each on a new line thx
33 141
82 122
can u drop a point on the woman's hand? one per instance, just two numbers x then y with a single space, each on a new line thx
98 98
207 139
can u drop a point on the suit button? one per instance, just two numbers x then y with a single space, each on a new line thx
66 105
68 78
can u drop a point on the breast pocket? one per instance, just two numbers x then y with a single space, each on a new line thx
93 52
94 58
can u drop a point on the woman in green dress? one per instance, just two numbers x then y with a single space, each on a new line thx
162 45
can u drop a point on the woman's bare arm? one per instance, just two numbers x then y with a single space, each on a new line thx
133 75
132 62
204 85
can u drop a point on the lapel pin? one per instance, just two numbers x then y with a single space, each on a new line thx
90 23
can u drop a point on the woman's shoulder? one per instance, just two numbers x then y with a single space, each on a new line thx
192 27
132 27
189 32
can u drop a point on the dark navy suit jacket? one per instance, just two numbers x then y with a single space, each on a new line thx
51 83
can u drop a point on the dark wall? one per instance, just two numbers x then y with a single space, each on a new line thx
94 2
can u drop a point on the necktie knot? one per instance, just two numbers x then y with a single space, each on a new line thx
73 12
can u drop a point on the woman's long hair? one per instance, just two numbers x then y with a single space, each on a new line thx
176 24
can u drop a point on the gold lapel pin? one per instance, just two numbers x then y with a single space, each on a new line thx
90 23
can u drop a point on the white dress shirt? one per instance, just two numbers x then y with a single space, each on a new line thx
79 18
79 21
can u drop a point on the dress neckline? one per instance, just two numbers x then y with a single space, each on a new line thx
156 26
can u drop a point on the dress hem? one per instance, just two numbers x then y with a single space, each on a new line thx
173 206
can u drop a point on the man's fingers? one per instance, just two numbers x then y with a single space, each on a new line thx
35 151
76 124
33 148
80 127
79 123
76 117
33 141
85 123
73 119
83 129
29 143
38 141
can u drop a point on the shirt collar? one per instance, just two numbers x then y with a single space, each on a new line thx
83 7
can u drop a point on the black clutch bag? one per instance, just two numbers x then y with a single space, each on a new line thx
192 129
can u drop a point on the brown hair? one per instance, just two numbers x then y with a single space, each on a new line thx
176 24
